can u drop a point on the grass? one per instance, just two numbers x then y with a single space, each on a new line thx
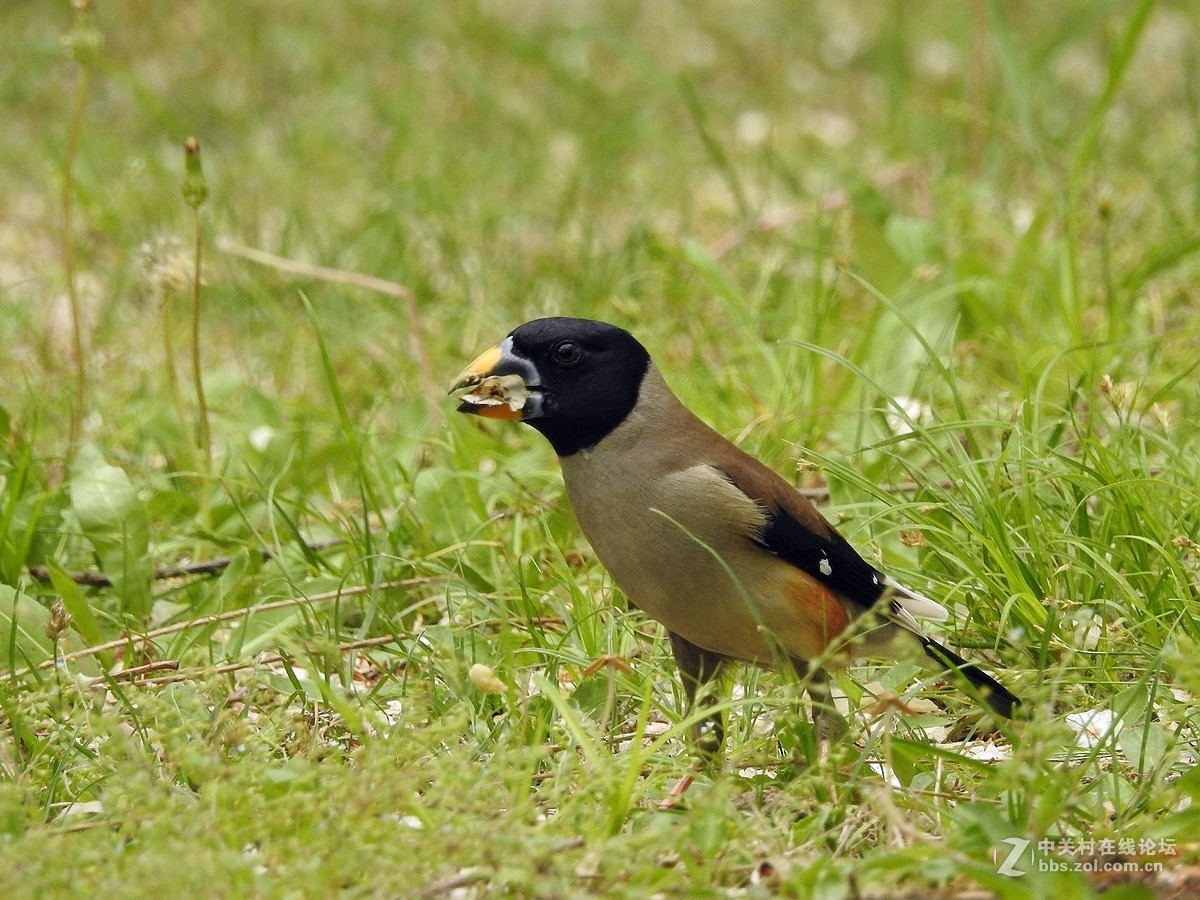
939 258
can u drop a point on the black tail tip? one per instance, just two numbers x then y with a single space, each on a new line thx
1003 702
1000 699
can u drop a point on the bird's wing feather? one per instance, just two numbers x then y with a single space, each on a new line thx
797 533
792 528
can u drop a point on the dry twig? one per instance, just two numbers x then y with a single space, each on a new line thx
416 343
273 659
217 618
208 567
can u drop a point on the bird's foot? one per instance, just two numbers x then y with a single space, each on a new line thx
830 727
671 801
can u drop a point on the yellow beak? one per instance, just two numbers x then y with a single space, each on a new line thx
478 370
494 395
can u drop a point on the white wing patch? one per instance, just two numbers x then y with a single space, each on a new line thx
915 604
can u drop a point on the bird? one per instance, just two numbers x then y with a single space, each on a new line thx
735 563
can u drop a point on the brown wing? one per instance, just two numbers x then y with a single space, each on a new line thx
797 533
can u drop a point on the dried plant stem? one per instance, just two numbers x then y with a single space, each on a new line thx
207 567
195 192
977 91
204 437
218 618
273 659
67 201
429 388
168 336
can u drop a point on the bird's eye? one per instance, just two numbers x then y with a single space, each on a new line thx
568 353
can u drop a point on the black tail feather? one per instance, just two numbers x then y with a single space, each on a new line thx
996 695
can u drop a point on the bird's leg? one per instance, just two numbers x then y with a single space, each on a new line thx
827 721
697 669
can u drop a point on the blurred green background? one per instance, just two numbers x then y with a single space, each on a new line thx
1003 171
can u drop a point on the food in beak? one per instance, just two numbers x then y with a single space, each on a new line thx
496 396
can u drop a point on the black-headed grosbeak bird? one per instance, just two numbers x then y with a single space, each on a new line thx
705 539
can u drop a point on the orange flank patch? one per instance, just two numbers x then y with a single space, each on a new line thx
818 617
